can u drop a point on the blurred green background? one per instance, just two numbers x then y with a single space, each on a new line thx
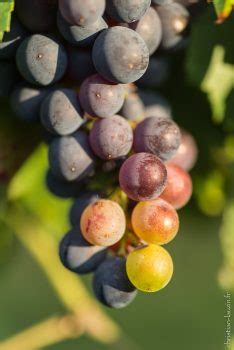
189 313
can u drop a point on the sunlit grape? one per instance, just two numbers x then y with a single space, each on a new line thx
155 222
149 268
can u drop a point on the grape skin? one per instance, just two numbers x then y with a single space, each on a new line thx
80 65
37 16
101 98
149 268
41 60
156 105
157 73
111 138
155 222
133 107
79 256
111 284
61 112
80 36
103 223
179 186
82 12
127 10
157 135
186 155
62 188
143 177
149 28
70 157
120 55
80 204
26 101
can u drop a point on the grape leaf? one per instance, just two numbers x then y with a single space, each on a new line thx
223 9
6 8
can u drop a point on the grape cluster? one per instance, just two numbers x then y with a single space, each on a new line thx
80 67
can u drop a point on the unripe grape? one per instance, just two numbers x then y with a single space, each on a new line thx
149 268
155 222
178 187
103 223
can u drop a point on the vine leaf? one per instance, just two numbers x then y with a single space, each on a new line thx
223 9
6 8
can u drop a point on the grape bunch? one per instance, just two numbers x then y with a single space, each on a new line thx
83 69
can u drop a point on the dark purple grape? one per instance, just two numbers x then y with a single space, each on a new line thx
149 28
26 102
70 157
127 10
80 65
111 138
111 284
157 135
61 113
101 98
80 36
133 107
143 177
9 77
41 60
12 39
61 188
80 204
78 255
37 15
120 55
174 18
157 73
81 12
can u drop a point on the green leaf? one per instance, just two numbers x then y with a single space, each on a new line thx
6 8
223 9
28 186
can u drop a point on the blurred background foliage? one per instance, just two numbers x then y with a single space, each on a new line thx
189 313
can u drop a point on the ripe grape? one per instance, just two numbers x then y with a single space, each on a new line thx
178 188
80 65
70 157
77 35
156 104
186 155
157 135
174 18
80 12
103 223
133 107
101 98
80 204
120 55
26 101
12 39
111 284
157 73
62 188
41 60
143 177
78 255
161 2
149 28
127 10
111 138
61 112
149 268
155 222
37 16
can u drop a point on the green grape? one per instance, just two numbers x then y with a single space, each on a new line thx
149 268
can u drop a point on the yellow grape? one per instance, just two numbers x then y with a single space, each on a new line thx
155 221
149 268
103 223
